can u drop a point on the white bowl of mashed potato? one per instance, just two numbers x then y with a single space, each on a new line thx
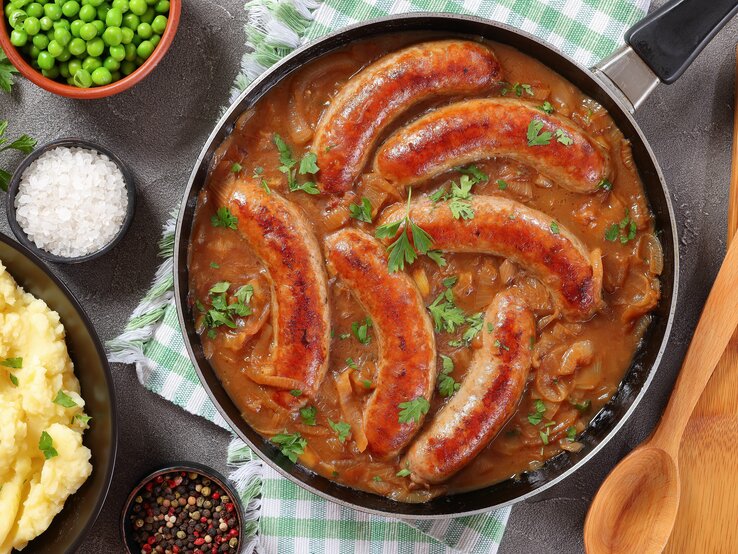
58 439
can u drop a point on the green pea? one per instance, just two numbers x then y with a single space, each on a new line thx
138 7
162 6
87 13
159 24
75 26
41 42
151 2
131 20
113 36
130 52
45 60
145 49
32 26
117 76
111 64
46 23
100 26
77 46
95 47
114 18
149 16
17 18
53 12
121 5
101 76
74 66
127 34
127 67
55 49
91 64
61 24
88 31
82 78
51 73
102 12
144 31
34 53
118 53
64 70
155 40
95 3
35 9
18 38
62 36
64 56
70 8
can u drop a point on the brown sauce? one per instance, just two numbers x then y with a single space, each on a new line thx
578 365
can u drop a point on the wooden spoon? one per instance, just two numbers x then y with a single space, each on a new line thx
635 508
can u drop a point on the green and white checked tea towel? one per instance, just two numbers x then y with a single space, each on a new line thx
283 518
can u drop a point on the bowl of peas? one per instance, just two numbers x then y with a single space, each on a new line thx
87 48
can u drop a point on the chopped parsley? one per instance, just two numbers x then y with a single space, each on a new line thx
475 323
64 400
535 136
446 315
236 168
404 472
546 107
518 89
84 419
362 211
413 410
625 230
296 392
604 184
342 429
224 218
447 386
13 379
501 184
458 201
214 265
474 172
46 445
366 383
308 414
534 418
259 174
377 479
439 195
401 251
351 363
14 363
361 331
554 227
291 445
501 345
437 256
571 433
223 313
563 138
582 406
308 165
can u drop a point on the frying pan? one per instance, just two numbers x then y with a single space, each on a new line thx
659 49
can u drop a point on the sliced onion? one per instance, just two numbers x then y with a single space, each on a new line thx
650 250
421 280
578 354
350 409
508 270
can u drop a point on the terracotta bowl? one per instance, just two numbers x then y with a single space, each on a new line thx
62 89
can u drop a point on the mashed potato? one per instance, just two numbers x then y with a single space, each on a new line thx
40 407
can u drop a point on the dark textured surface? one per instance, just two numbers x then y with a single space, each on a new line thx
158 128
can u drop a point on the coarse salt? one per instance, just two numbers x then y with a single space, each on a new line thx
71 202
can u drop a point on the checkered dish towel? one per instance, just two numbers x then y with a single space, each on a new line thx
281 517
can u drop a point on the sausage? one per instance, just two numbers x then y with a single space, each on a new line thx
488 397
382 91
468 131
404 334
278 232
509 229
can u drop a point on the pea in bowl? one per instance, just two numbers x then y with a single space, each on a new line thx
87 48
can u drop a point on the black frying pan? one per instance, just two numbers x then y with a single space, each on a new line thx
662 46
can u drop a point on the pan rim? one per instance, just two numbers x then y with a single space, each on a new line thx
180 260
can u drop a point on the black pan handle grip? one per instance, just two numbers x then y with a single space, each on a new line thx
670 38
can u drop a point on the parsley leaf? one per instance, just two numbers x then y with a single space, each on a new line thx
534 135
367 383
546 107
459 196
535 418
308 164
401 251
288 163
361 331
84 419
582 406
501 345
413 410
13 379
64 400
437 257
475 323
377 479
625 230
308 414
23 144
259 174
342 429
296 392
554 227
473 171
518 89
236 168
224 218
446 315
15 363
363 211
563 138
501 184
447 386
404 472
291 445
439 195
285 154
222 313
351 363
571 433
604 184
46 445
6 72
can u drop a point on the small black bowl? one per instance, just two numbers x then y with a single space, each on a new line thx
190 467
15 183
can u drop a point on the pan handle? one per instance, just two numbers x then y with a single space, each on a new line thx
660 47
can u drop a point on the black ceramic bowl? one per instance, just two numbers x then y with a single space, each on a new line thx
70 526
15 183
126 527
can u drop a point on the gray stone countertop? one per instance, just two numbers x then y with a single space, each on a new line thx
159 126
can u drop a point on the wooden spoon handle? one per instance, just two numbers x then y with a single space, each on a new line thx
716 325
733 195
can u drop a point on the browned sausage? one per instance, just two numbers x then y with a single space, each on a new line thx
278 232
378 94
512 230
468 131
404 333
488 397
